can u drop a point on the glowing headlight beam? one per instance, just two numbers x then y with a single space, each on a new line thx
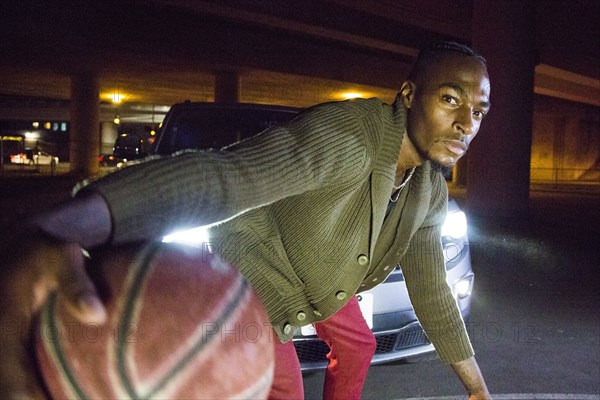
196 237
455 225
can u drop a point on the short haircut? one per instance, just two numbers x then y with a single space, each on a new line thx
431 55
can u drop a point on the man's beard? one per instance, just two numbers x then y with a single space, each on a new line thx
446 170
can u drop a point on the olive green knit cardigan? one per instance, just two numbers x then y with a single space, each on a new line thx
299 209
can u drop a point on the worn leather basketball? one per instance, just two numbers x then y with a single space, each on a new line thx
182 324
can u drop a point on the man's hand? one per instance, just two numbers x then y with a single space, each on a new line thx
482 396
469 374
32 265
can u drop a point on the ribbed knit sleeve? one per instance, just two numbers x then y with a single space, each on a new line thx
425 274
322 146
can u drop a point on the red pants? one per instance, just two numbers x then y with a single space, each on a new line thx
352 346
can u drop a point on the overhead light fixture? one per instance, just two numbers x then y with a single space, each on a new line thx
117 120
117 97
352 95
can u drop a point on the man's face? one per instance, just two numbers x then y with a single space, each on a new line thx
446 108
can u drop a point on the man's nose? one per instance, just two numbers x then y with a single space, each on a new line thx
465 123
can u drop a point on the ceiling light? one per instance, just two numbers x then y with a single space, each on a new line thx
117 97
352 95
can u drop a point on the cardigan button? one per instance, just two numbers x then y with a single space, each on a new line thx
301 316
341 295
317 313
287 329
386 267
363 260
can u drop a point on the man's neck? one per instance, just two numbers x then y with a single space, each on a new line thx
408 157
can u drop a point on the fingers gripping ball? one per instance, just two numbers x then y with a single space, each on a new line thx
182 324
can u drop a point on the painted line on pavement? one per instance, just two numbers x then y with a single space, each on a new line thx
519 396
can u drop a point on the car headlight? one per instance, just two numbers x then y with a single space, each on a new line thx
463 287
196 237
455 225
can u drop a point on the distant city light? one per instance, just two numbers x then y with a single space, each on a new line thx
35 124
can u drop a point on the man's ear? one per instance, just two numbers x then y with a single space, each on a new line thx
407 92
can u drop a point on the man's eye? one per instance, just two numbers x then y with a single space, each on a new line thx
450 99
479 114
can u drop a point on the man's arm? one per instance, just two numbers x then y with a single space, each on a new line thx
147 200
84 220
469 374
436 308
322 147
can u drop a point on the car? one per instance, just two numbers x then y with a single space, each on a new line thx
129 146
110 161
43 158
23 157
386 307
213 125
29 157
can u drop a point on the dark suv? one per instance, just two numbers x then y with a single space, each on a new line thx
211 125
387 307
129 146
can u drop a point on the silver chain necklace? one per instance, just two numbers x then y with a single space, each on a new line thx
394 197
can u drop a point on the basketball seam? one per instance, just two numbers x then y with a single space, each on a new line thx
261 388
142 268
202 341
141 271
49 314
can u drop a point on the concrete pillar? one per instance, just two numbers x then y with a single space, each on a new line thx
108 136
85 122
499 158
227 87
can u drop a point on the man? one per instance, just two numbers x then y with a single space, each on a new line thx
310 212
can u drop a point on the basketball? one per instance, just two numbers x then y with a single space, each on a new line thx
182 324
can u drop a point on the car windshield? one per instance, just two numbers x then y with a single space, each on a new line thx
202 128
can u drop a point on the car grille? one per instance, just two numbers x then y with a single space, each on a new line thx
410 336
311 350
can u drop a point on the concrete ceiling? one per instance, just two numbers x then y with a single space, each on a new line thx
165 51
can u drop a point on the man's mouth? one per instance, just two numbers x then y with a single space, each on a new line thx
455 146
